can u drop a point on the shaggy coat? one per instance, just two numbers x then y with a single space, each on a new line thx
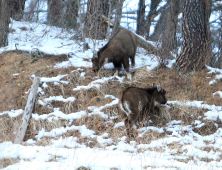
119 50
137 103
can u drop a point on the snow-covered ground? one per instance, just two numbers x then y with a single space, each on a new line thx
67 153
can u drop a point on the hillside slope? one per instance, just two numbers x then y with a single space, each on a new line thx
76 123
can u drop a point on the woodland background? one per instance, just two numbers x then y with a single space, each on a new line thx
75 123
190 29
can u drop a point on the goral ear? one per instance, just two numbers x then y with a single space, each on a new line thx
95 54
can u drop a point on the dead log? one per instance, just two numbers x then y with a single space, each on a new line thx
28 111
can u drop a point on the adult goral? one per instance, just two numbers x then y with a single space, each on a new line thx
119 50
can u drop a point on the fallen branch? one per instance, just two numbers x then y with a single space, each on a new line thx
28 112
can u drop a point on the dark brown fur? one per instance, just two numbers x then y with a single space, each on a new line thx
118 50
137 103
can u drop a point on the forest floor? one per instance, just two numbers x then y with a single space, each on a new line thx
74 103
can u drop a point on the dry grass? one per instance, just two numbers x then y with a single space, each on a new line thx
193 86
6 162
36 125
83 168
13 87
8 127
186 113
161 117
141 79
149 136
207 129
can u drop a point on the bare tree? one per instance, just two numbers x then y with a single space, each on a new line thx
152 14
81 27
4 22
161 23
216 33
109 17
55 13
195 39
169 40
30 15
118 15
220 45
71 13
17 9
140 28
208 4
94 27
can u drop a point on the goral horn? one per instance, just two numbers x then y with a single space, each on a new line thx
159 88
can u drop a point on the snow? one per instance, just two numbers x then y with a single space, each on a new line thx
96 83
219 93
60 98
59 131
12 113
57 113
217 77
69 153
51 79
213 115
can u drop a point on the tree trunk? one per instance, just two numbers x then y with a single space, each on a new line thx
220 45
161 24
71 14
4 22
208 11
118 15
169 40
152 14
94 27
55 13
140 28
195 39
220 61
81 27
17 9
108 27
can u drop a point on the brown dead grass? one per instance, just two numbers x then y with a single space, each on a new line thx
13 88
149 136
207 129
193 86
140 78
6 162
8 127
36 125
185 113
83 168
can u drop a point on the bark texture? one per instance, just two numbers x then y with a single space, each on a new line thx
55 13
152 14
161 23
28 111
140 28
4 22
17 9
195 39
94 27
118 15
71 13
169 40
